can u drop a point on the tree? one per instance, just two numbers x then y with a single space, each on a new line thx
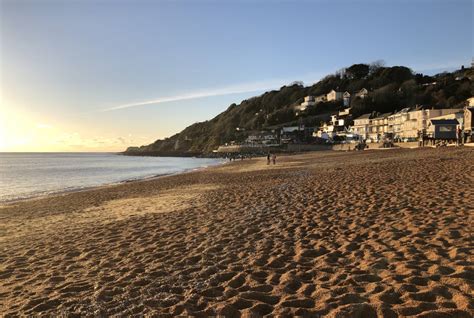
408 91
297 83
389 75
452 102
386 99
361 105
357 71
375 66
281 116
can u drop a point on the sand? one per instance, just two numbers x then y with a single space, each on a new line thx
336 234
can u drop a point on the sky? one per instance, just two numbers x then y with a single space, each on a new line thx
84 75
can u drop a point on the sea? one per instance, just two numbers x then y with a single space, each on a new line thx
27 175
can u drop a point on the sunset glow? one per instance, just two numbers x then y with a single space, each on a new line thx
114 75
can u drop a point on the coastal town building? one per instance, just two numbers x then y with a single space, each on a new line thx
404 124
328 128
333 96
459 116
262 138
345 112
362 93
308 101
346 98
290 134
395 122
344 119
295 134
468 122
418 120
470 102
442 129
378 126
291 129
361 125
321 99
338 125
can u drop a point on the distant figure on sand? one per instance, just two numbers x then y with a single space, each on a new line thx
274 158
268 159
459 136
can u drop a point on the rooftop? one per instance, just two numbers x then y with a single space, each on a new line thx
365 116
444 122
381 116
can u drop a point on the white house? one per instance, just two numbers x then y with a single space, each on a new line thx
333 95
321 99
308 101
361 125
470 102
362 93
395 122
345 111
346 98
378 126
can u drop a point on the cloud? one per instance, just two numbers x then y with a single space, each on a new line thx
228 90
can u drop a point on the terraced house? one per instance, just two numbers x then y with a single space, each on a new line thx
378 126
361 125
395 122
404 124
418 120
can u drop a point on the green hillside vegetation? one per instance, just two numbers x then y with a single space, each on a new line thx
390 89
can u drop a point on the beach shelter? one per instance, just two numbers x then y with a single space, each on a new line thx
443 129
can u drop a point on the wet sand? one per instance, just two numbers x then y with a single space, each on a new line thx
336 234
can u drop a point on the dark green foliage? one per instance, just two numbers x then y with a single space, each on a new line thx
357 71
281 116
322 108
390 89
361 106
388 75
386 98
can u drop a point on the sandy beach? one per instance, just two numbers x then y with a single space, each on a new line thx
336 234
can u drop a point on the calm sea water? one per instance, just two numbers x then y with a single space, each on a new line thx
25 175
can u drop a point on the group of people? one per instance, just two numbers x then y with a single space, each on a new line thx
233 157
271 157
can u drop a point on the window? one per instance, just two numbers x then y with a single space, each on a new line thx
446 128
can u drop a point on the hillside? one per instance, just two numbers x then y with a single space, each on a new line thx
390 89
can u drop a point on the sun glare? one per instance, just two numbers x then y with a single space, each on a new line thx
2 140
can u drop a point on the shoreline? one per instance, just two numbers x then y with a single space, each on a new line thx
66 191
333 234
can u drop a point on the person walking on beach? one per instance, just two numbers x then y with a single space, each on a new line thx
420 139
459 136
268 159
274 158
